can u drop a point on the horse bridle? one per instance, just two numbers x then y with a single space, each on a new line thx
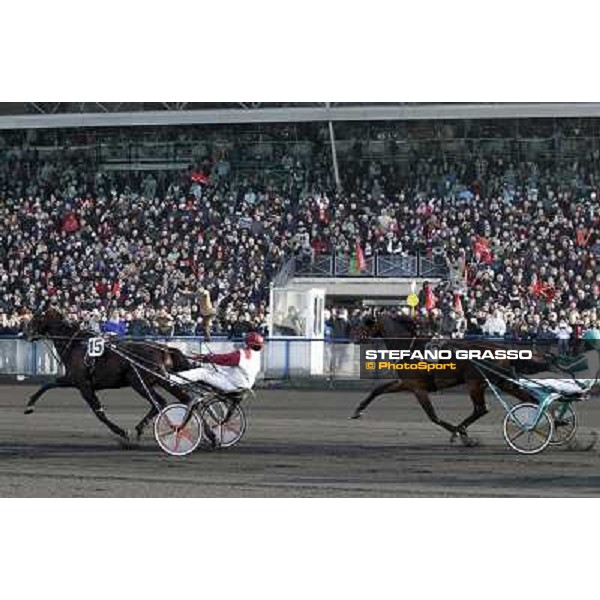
52 338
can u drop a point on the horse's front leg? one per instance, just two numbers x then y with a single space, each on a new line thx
60 382
386 388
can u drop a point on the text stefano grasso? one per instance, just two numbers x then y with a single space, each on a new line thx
439 355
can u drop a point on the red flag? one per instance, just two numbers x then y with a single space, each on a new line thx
361 263
430 300
583 237
482 250
537 288
545 290
200 178
458 304
70 224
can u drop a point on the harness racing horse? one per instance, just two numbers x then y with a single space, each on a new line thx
401 333
138 365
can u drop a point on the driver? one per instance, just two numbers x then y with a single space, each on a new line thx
586 379
232 372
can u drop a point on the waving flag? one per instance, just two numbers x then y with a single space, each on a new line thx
430 299
361 263
544 290
482 250
583 237
458 307
200 178
358 262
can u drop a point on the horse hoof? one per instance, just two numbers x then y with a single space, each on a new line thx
356 416
576 446
593 443
29 411
469 442
125 441
133 439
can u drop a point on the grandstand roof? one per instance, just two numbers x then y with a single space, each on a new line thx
26 115
24 108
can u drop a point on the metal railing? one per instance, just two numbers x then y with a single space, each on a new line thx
283 358
319 266
382 266
347 267
397 266
285 273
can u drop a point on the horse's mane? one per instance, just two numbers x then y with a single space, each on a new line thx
408 323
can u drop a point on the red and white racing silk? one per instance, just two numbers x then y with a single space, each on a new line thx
230 372
244 366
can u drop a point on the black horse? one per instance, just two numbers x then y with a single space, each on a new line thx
402 333
141 366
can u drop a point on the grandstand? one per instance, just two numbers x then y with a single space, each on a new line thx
128 210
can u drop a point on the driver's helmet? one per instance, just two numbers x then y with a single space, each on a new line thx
592 338
255 341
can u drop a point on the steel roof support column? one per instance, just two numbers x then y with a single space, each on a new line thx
336 168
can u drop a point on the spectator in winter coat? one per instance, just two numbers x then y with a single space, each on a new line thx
115 325
563 334
139 326
207 312
495 325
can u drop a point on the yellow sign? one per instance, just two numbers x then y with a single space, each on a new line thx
413 301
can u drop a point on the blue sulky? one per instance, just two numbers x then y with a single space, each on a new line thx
548 417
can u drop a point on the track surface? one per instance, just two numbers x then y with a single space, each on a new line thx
299 443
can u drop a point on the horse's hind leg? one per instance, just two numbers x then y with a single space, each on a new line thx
60 382
160 401
94 403
386 388
427 406
480 409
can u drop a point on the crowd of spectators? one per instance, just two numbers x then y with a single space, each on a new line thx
194 251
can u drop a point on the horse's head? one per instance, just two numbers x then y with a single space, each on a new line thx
401 326
387 327
44 323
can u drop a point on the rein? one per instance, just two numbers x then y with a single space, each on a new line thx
52 347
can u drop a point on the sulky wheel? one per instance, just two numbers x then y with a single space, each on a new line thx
565 423
177 431
226 420
527 429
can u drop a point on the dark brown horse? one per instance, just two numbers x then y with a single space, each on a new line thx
139 365
402 333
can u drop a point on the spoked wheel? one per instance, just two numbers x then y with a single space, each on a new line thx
175 436
565 423
527 430
226 421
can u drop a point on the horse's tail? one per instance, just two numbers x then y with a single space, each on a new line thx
167 361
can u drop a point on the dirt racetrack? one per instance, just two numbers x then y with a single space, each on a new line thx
299 443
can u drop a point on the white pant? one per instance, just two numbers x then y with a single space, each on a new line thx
216 377
561 386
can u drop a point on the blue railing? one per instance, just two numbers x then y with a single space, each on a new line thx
283 358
